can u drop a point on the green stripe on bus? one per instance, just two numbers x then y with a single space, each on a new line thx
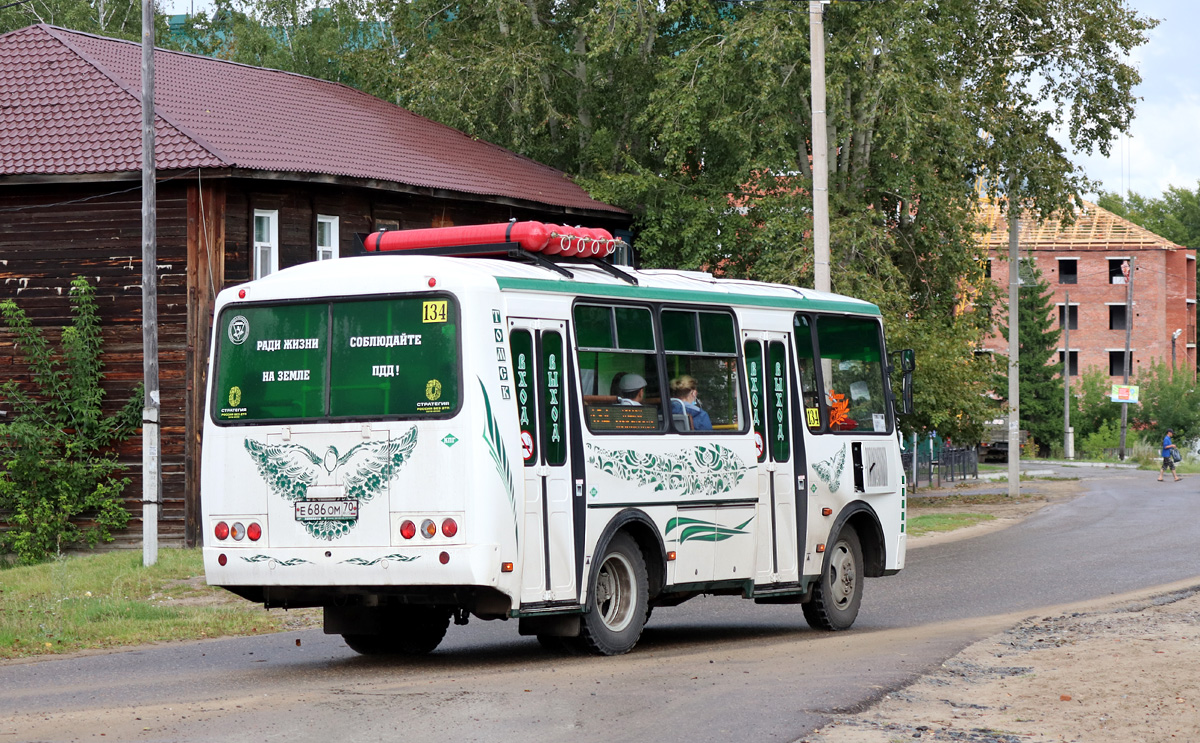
585 289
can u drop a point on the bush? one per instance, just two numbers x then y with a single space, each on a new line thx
59 484
1108 436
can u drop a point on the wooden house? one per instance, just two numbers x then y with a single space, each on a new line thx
257 170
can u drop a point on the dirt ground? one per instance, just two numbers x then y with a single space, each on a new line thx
1107 673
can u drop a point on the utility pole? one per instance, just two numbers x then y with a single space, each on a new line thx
1068 439
1014 390
820 148
1127 269
151 477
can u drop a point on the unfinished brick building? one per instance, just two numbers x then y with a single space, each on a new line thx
1085 261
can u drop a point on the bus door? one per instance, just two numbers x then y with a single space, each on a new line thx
540 384
768 375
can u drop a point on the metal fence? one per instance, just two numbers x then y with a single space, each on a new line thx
951 464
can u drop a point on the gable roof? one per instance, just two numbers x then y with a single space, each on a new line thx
72 105
1095 228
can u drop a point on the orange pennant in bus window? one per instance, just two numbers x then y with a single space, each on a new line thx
839 408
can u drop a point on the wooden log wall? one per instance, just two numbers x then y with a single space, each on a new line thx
49 234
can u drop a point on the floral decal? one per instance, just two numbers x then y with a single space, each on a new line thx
397 558
495 445
285 563
703 531
702 470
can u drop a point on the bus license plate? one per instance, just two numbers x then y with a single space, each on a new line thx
321 510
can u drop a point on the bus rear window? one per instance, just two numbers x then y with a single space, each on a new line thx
376 358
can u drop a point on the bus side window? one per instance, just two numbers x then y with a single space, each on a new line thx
852 368
618 368
701 355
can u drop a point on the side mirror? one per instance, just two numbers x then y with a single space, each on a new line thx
908 362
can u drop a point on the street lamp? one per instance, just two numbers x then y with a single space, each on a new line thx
1173 337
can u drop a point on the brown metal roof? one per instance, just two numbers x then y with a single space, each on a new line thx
1095 228
72 105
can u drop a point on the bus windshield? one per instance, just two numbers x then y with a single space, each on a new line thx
394 357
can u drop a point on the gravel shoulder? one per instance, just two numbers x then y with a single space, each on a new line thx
1120 670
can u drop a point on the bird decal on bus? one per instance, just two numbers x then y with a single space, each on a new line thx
291 469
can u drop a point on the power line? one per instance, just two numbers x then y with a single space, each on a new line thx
13 5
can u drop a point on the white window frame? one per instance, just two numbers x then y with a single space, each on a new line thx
333 248
271 247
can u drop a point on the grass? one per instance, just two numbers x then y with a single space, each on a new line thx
935 522
105 600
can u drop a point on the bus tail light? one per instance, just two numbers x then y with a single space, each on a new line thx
408 529
222 559
254 531
428 529
221 531
237 531
449 527
444 558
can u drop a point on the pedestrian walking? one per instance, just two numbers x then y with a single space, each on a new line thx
1169 452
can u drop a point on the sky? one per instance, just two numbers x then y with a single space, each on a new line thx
1163 146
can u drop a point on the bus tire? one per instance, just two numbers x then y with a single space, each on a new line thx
416 631
618 600
838 592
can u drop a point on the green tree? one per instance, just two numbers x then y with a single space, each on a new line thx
1093 406
59 484
1167 400
1040 382
1175 215
121 19
696 116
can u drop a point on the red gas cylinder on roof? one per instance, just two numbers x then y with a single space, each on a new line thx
492 239
532 236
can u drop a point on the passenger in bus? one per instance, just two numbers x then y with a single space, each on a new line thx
685 400
630 389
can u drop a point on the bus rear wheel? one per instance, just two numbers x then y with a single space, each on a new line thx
838 593
416 630
618 600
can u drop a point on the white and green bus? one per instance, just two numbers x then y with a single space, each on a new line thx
405 439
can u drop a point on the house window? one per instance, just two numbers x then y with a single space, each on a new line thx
1116 363
266 242
1116 317
1074 370
327 237
987 269
1116 274
1069 313
1068 270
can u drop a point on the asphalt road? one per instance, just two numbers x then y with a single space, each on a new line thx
711 669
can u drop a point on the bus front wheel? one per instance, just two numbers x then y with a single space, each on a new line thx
838 593
618 601
414 631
